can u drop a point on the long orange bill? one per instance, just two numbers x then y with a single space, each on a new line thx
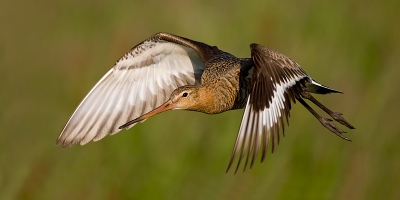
164 107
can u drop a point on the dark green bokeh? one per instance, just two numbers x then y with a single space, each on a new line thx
53 52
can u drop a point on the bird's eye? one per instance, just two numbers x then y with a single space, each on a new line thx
185 94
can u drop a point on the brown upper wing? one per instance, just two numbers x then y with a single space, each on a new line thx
275 82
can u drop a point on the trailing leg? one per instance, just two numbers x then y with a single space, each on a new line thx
335 115
326 122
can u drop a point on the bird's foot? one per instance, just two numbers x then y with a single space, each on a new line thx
337 116
333 128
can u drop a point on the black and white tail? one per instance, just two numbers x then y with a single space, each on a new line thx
317 88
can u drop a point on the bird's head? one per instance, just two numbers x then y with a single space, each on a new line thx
185 97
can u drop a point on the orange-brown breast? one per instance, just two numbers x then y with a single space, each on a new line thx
224 87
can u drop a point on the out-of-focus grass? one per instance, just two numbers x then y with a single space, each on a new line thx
53 52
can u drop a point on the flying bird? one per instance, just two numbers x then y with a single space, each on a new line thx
168 72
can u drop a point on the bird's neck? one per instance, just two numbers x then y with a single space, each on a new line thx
211 100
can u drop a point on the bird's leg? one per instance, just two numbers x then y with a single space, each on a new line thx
324 121
337 116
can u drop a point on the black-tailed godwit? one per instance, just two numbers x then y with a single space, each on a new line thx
167 72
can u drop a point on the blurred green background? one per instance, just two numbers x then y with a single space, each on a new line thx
53 52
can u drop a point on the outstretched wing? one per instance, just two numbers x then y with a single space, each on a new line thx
140 81
275 82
